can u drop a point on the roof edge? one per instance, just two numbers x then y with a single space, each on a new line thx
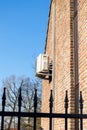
48 25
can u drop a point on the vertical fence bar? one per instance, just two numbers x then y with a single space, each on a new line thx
51 108
3 108
35 108
81 110
66 109
19 108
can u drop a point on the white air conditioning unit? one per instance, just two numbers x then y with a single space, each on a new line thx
42 64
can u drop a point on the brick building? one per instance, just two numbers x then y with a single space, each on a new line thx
66 46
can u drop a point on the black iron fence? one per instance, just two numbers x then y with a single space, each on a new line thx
36 114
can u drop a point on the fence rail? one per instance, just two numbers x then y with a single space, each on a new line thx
36 114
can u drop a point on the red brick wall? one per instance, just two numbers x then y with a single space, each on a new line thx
64 62
45 83
65 59
82 39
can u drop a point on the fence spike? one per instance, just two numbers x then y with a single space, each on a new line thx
35 100
51 101
66 100
4 97
66 109
19 107
35 108
3 108
81 101
51 106
81 110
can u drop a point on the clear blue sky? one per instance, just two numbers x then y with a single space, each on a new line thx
23 25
